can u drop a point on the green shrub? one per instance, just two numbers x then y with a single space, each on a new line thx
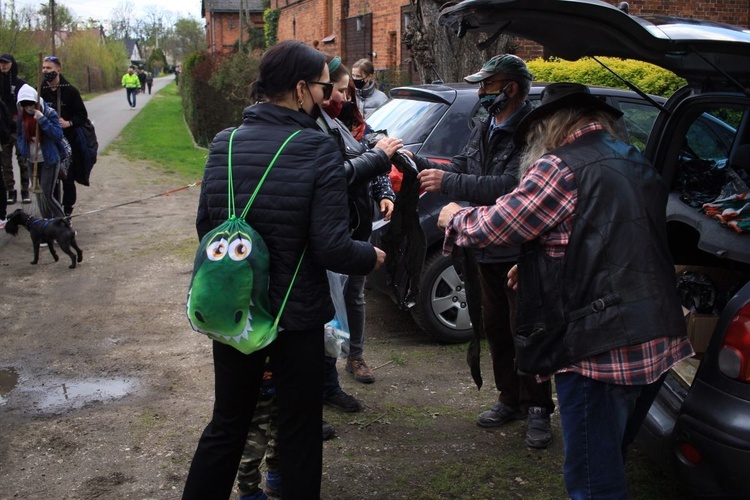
649 78
215 91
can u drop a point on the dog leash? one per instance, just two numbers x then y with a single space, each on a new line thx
165 193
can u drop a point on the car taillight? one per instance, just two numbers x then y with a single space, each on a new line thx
734 357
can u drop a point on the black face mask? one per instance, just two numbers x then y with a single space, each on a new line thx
314 114
48 77
346 115
359 83
494 103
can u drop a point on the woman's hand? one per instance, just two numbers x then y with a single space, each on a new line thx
389 145
37 114
386 208
446 213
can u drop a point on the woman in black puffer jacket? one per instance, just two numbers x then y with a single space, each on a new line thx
302 203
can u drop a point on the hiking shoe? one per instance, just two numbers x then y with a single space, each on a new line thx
538 429
25 198
328 431
500 414
259 495
359 369
12 197
271 484
343 401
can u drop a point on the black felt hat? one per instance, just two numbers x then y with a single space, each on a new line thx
557 96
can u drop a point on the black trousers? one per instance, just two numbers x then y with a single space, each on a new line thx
498 319
297 365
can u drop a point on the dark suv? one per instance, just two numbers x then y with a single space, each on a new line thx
699 425
435 122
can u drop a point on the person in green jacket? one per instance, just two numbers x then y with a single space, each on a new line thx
131 83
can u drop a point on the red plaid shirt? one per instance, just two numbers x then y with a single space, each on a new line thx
543 207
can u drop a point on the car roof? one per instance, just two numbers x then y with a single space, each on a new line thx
694 50
446 92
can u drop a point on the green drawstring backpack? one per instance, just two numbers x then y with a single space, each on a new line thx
228 296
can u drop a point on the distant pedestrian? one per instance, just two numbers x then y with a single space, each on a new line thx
149 81
131 83
142 79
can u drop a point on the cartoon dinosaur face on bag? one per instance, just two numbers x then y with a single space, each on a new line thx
228 299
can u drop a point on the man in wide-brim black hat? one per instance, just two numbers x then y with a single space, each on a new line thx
597 307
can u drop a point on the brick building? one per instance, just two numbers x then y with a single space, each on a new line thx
372 29
223 22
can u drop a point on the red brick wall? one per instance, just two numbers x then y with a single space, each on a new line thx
223 30
305 20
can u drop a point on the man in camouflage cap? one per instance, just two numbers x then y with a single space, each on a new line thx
486 169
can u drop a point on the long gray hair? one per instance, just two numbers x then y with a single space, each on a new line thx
550 132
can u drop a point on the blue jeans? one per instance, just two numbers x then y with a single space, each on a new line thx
599 420
131 93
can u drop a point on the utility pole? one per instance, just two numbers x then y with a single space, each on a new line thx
239 44
52 23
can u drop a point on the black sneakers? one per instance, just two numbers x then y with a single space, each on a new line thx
12 197
538 429
343 401
500 414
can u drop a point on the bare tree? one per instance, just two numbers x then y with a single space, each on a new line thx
438 54
122 23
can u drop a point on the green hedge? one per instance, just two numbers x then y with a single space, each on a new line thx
215 91
649 78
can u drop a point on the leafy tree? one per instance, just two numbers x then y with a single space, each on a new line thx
63 17
122 24
185 38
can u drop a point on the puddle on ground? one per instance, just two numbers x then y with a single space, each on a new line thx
8 382
56 395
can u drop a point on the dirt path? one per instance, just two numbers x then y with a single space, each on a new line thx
104 389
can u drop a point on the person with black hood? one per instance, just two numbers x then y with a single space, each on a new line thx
9 85
66 100
301 210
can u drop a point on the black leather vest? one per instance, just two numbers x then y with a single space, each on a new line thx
615 286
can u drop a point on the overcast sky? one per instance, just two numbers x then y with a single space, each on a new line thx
102 9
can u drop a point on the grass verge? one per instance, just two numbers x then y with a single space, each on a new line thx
158 134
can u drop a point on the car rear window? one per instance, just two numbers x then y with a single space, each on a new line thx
407 119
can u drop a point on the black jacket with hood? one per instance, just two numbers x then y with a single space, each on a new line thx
9 85
302 204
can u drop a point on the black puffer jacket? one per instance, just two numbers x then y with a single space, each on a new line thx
303 202
9 85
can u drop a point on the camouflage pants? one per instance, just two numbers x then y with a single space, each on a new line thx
261 442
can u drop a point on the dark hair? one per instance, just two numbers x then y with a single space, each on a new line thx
283 65
339 71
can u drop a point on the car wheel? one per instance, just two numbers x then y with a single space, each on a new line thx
441 308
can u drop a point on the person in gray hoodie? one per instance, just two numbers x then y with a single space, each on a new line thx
9 85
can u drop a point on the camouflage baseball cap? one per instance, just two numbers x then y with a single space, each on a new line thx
506 64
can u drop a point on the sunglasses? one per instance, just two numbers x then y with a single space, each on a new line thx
327 89
52 58
485 83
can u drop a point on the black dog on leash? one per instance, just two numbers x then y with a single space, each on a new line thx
46 231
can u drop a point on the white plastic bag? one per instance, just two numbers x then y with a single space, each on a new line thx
337 330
